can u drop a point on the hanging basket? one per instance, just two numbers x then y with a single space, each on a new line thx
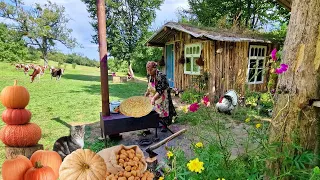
161 62
200 61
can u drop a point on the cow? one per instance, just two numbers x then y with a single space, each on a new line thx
56 72
18 66
26 69
38 71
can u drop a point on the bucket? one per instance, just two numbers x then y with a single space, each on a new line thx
114 106
233 95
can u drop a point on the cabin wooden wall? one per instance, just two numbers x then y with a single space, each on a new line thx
228 69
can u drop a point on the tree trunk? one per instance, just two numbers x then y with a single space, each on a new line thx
45 57
300 83
130 71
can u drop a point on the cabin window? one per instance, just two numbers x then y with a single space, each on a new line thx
192 53
257 56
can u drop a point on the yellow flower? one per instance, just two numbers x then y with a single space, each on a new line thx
247 120
161 178
199 145
195 165
221 179
169 154
185 109
258 125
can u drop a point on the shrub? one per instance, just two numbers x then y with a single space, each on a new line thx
74 65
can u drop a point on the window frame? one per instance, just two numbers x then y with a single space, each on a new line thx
257 59
193 58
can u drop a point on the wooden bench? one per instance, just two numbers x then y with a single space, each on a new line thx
119 79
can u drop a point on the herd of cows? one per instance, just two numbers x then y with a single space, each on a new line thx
39 71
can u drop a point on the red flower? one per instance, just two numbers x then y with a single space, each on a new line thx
206 101
194 107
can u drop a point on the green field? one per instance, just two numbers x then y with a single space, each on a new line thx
75 98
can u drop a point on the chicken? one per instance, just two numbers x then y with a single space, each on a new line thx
225 104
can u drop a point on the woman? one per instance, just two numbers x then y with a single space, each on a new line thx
159 92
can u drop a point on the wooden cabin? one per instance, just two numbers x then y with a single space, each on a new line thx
231 60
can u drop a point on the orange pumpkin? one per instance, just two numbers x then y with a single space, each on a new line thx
47 158
40 172
20 135
15 97
13 169
16 116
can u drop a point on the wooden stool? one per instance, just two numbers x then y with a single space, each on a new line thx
12 152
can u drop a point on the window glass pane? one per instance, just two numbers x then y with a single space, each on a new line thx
198 49
260 63
187 50
251 75
194 50
262 52
259 52
259 75
256 52
253 63
252 52
188 64
195 66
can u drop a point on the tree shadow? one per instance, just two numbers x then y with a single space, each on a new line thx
82 77
61 122
120 91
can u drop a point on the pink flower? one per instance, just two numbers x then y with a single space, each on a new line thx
274 54
206 101
113 74
165 114
283 68
194 107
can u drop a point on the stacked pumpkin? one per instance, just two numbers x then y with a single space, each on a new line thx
43 165
18 131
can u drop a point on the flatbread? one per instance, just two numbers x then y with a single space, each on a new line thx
136 106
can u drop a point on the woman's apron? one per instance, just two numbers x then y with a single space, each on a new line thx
162 103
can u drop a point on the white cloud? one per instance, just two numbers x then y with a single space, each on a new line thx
82 30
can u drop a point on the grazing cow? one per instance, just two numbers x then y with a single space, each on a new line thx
36 72
56 72
26 69
18 66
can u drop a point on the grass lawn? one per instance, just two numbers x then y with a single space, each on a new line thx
75 98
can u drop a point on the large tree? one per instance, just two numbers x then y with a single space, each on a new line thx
41 25
250 14
127 22
295 119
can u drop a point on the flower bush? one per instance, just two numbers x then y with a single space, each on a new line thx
212 156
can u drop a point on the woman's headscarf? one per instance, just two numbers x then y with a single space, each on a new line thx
151 64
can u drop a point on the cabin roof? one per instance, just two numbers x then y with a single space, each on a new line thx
168 30
285 3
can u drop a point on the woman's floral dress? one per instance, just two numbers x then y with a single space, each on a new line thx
163 105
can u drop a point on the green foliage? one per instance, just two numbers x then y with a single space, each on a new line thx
74 65
41 26
115 65
127 23
218 158
191 95
252 14
12 47
143 54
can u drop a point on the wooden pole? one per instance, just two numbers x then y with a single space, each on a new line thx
102 33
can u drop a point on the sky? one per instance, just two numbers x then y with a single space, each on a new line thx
82 30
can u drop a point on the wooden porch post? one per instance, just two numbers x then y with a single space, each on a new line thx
102 35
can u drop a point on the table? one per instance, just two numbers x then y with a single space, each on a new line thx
119 123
